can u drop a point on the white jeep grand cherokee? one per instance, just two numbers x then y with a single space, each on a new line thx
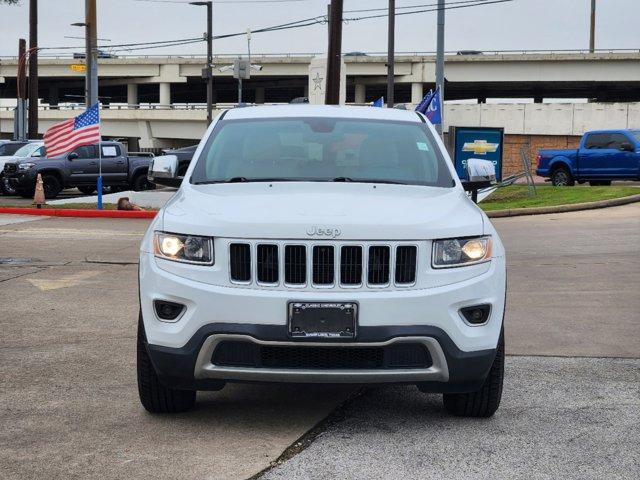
320 244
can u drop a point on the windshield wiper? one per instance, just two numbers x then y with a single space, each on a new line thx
245 179
367 180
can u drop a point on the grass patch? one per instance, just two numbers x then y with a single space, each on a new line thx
516 196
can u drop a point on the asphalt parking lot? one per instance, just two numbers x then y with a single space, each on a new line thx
69 407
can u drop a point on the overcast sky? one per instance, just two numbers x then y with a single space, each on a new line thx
520 24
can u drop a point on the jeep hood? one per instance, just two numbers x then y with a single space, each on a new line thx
352 211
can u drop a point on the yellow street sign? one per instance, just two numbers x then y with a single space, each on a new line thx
78 67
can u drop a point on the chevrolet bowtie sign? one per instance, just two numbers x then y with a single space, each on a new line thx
480 147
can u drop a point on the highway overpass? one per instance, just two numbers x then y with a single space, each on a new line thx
601 76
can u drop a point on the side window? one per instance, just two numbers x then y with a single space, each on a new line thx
110 151
596 140
39 152
616 140
85 152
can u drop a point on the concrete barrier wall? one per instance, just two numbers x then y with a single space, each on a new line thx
544 118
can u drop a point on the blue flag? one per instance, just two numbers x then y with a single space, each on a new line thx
424 103
379 102
434 107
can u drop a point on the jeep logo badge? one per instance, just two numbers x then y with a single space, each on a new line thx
330 232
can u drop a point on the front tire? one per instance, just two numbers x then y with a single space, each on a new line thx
484 402
51 185
154 396
561 177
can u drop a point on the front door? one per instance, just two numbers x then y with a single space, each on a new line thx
84 168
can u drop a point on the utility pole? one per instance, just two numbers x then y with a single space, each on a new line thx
440 62
592 36
391 54
208 71
33 68
332 89
91 54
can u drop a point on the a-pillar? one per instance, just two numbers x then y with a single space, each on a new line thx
259 96
132 95
360 93
165 93
416 92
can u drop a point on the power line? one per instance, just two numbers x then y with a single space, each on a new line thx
306 22
406 7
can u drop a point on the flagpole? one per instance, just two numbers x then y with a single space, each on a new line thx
99 185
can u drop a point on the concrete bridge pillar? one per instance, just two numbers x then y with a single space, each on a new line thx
132 94
360 93
259 95
165 93
416 92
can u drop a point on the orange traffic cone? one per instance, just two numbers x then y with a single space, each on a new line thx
38 197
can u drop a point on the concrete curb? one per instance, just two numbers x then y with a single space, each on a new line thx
572 207
72 212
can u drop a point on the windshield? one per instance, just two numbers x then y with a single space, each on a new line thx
28 149
322 149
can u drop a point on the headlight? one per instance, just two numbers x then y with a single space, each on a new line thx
459 252
183 248
26 165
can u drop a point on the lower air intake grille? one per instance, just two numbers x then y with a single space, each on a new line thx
406 264
238 353
267 263
240 262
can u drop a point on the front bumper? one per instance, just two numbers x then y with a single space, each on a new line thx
22 180
191 366
181 352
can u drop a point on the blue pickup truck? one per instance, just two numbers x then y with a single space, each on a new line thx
602 156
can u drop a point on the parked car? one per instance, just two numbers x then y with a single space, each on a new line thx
320 244
30 149
184 154
9 147
602 156
79 168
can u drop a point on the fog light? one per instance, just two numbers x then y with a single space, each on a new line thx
476 315
167 310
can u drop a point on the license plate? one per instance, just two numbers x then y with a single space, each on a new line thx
323 320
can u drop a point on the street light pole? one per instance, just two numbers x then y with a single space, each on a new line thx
91 32
440 62
592 33
391 54
209 68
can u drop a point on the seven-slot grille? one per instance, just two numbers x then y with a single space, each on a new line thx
346 265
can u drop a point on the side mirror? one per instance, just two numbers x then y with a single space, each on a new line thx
627 147
163 170
480 174
72 156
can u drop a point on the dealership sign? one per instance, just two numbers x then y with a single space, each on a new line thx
482 143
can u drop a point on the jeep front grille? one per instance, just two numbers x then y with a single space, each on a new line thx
323 265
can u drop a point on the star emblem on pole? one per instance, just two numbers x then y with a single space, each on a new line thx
317 82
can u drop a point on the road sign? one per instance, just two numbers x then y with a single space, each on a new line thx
482 143
78 67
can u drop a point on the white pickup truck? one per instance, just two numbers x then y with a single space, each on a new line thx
320 244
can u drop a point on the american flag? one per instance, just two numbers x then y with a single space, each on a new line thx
65 136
